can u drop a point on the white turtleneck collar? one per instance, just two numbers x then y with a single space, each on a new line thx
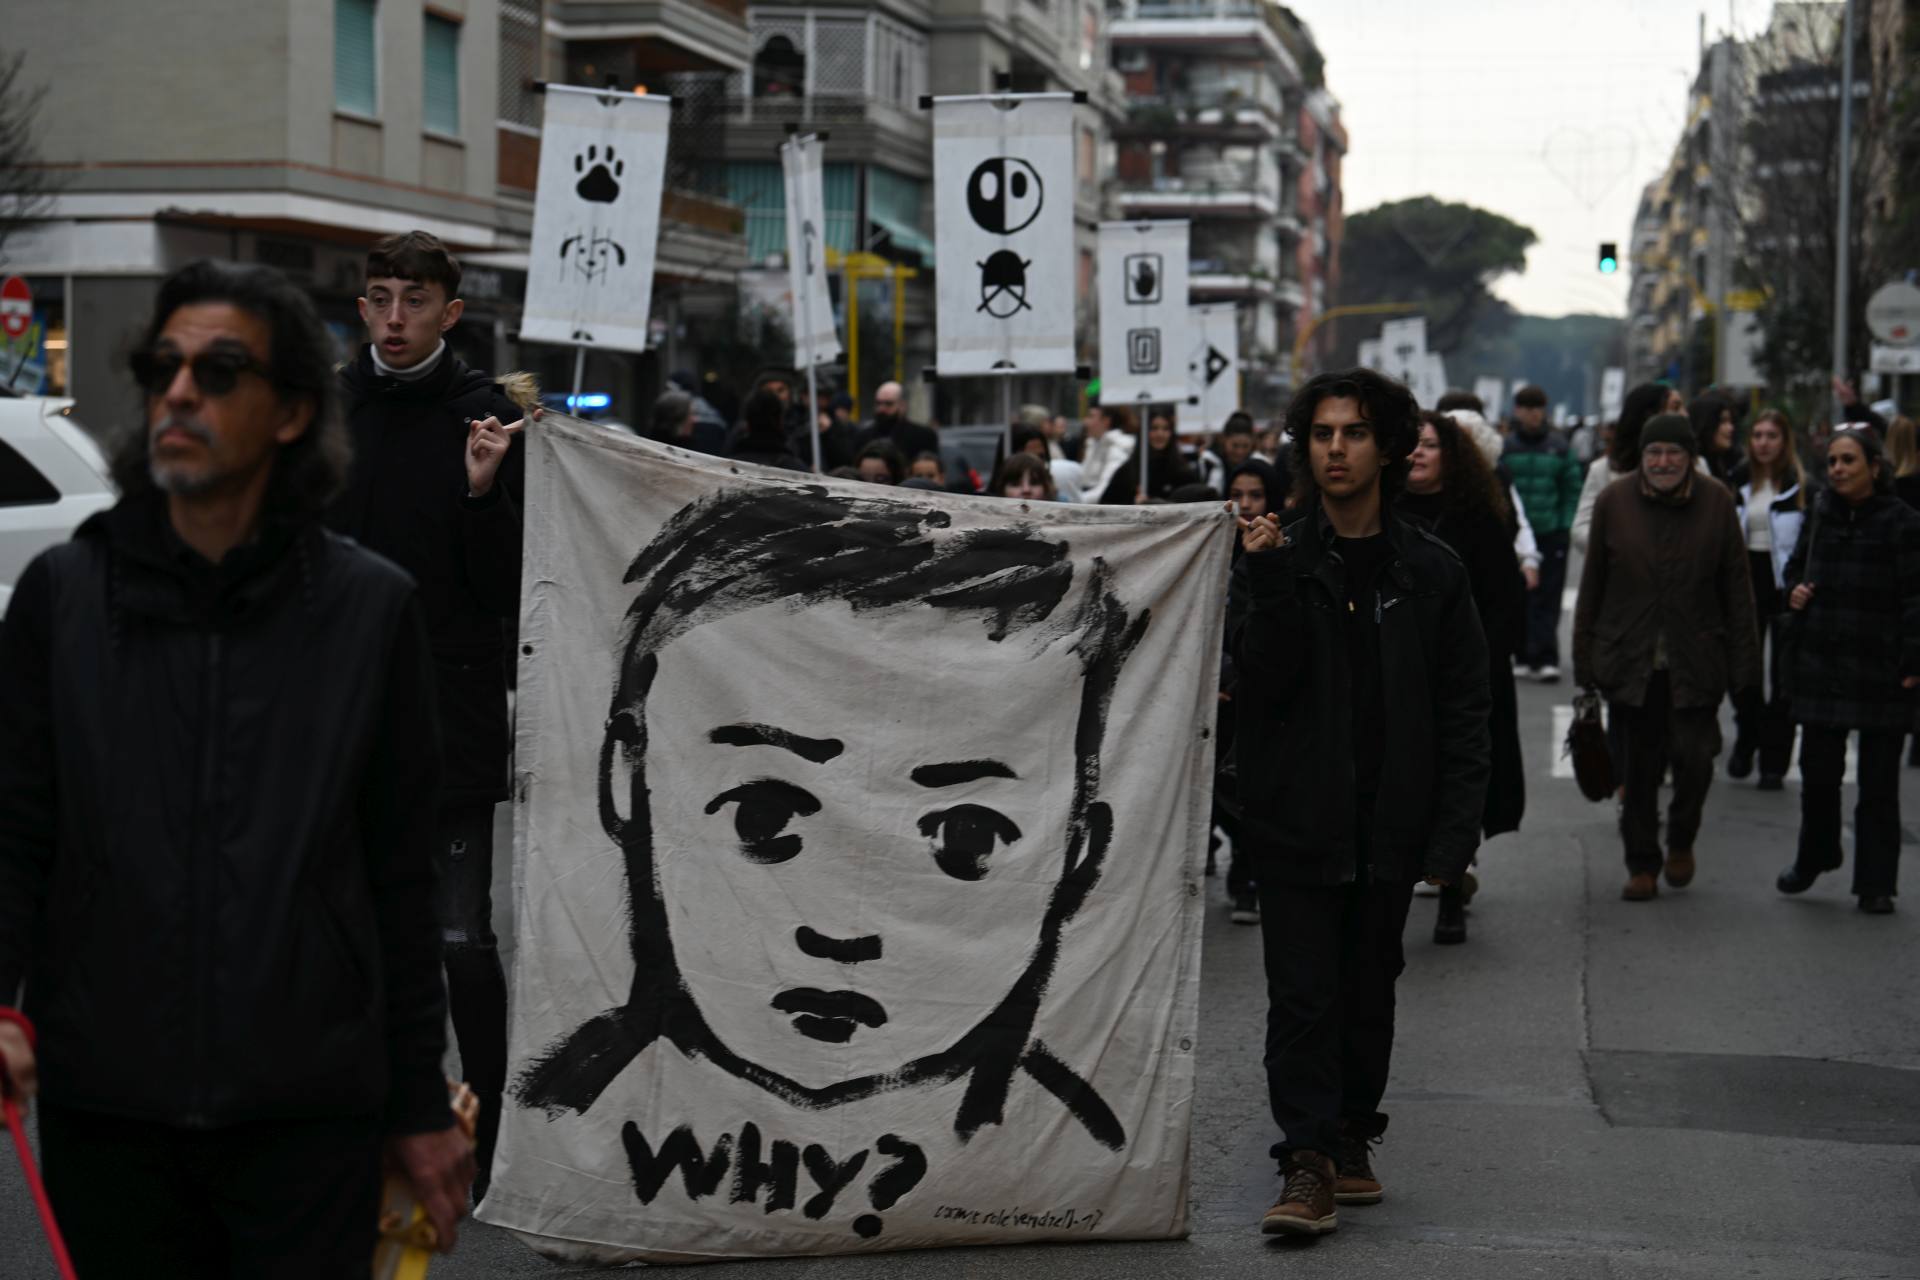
414 374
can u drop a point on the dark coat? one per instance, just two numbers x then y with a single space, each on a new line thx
1484 544
1167 470
1860 634
839 445
216 828
1288 628
1661 568
406 498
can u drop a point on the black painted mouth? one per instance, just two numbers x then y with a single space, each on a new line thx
831 1016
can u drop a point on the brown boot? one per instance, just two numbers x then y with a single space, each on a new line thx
1305 1206
1680 868
1642 886
1355 1182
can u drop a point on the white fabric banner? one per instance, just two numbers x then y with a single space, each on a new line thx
815 339
1492 393
858 847
1613 393
1143 312
1213 371
596 218
1003 234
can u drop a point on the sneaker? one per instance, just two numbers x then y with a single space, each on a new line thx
1680 868
1740 763
1305 1206
1641 887
1354 1181
1547 674
1771 782
1246 908
1799 879
1522 671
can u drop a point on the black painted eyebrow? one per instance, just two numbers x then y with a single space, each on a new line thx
952 775
818 750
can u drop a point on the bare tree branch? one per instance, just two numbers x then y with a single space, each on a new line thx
27 187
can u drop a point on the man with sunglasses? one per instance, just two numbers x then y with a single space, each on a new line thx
435 487
217 775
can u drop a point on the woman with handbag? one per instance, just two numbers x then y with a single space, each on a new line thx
1770 493
1854 588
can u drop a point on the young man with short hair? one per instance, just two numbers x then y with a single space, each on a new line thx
1547 478
217 774
1363 756
420 496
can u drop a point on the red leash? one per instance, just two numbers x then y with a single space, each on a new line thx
32 1171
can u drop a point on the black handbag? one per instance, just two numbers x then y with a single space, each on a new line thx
1587 745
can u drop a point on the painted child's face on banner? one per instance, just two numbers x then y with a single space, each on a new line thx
850 883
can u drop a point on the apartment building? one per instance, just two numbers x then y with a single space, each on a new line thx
297 134
1228 125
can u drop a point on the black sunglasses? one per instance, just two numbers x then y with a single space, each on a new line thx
214 372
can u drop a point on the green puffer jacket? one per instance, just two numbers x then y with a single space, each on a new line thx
1547 477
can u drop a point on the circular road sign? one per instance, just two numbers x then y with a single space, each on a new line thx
16 307
1893 313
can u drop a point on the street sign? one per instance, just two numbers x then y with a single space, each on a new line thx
1890 359
16 308
1893 313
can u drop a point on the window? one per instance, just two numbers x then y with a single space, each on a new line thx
440 77
355 84
21 484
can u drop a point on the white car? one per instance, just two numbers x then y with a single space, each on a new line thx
52 477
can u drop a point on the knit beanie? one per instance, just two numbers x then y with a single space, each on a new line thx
1669 428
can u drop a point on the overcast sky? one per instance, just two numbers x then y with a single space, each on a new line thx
1554 113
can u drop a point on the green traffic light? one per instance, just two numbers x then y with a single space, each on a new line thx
1608 266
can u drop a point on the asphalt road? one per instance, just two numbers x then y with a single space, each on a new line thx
1724 1082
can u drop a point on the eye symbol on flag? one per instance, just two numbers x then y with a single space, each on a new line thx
1004 195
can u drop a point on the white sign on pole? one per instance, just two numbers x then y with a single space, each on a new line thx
1368 354
1403 349
1143 312
1886 358
1214 371
1613 394
809 966
1003 234
1430 380
1490 391
815 340
596 218
1893 313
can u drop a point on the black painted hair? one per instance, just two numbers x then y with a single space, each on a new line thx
311 471
418 256
801 546
1386 405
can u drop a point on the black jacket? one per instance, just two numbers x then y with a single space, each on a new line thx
406 498
1288 632
910 438
1859 636
216 825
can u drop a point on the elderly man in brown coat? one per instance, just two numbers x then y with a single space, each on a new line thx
1665 626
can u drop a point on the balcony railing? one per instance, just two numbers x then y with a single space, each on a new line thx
821 109
1227 112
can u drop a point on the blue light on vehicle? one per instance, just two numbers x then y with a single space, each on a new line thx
590 400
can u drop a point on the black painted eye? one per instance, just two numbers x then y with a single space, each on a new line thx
766 807
963 838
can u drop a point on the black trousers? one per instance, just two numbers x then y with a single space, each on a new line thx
298 1199
1333 954
1543 602
1658 733
476 984
1763 719
1876 815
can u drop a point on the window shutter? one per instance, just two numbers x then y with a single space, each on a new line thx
440 76
354 75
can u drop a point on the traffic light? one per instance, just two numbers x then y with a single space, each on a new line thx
1609 258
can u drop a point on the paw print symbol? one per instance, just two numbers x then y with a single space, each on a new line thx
600 182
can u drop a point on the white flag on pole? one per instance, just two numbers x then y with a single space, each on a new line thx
1613 393
815 340
1143 312
1003 233
596 218
1213 372
1492 393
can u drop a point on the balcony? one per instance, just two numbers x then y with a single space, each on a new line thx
1228 280
1199 198
1239 29
1220 117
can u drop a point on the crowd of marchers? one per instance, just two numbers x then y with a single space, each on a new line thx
257 724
